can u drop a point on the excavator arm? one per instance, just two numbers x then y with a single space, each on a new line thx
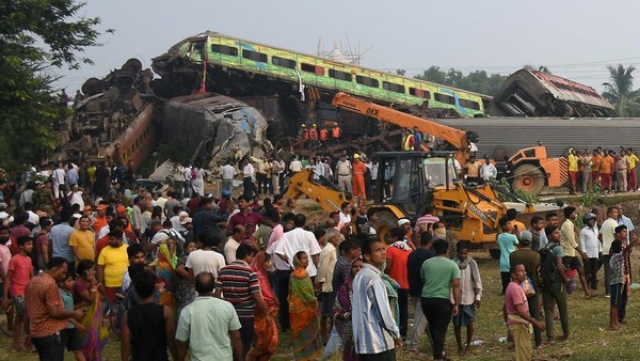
456 137
329 198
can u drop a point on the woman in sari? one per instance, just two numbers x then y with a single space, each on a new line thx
342 313
85 295
266 328
166 272
303 312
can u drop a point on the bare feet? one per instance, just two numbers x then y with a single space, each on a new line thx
614 328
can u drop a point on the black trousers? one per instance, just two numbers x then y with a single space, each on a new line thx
281 280
591 267
247 184
438 314
403 307
389 355
246 335
50 348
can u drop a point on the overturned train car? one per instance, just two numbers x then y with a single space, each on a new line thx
528 93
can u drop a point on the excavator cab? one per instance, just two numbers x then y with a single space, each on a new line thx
405 184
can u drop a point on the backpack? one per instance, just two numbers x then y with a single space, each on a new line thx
548 268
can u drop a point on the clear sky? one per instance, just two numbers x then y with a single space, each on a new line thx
574 39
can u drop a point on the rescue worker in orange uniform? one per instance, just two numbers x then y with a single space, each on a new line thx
313 136
359 170
324 135
304 133
336 133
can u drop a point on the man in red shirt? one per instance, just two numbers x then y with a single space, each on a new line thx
248 218
18 276
397 258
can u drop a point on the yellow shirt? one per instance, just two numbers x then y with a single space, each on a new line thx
568 239
632 159
573 163
85 241
115 262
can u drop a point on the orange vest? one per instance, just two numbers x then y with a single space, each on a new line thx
336 132
359 168
324 134
313 134
305 134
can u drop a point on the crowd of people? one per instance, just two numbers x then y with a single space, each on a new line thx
222 278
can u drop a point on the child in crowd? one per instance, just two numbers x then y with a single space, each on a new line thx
471 288
619 283
19 274
73 339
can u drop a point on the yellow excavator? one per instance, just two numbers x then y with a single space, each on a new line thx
408 181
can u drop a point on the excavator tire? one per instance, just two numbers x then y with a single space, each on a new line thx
528 178
386 222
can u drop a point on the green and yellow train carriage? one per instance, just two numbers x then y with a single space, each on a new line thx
225 51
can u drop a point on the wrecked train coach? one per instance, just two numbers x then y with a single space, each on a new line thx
304 85
214 127
534 93
114 120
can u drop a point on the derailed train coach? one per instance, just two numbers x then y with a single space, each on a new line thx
214 127
528 93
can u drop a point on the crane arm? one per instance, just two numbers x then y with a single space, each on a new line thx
456 137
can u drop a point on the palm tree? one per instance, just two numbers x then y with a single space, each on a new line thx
619 90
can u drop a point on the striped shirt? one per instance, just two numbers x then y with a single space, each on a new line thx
238 283
423 222
374 327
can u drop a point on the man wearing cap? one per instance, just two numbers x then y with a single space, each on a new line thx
359 170
592 247
405 226
343 173
187 229
313 136
42 195
101 218
531 260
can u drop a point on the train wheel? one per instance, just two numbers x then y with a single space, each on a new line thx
386 222
528 178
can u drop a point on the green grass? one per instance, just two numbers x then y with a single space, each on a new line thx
590 339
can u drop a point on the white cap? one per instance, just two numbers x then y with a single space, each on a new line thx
403 221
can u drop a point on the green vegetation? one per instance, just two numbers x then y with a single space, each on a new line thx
478 81
35 37
619 91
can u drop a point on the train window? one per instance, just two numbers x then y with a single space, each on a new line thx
254 55
285 63
396 88
367 81
340 75
424 94
443 98
224 50
310 68
470 104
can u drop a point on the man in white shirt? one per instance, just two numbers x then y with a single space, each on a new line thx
206 259
57 179
592 247
248 173
233 242
295 166
606 236
488 170
298 240
276 170
328 259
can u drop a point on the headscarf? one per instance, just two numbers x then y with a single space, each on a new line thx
260 269
345 293
297 262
